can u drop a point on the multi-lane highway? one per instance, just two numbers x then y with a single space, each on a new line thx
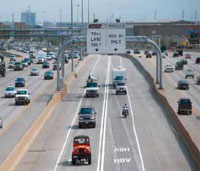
145 141
18 119
170 80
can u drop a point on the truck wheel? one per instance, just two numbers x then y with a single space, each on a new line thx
4 74
89 160
73 161
80 126
190 112
16 103
97 95
94 125
179 112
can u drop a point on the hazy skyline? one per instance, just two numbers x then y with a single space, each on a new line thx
128 10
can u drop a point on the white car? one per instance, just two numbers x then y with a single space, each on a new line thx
10 91
22 97
1 122
49 57
34 72
121 88
169 68
40 60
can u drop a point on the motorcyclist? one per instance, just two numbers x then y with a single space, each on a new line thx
125 109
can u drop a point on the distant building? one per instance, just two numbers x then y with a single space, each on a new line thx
28 17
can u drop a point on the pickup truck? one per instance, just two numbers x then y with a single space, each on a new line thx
121 88
92 89
22 97
184 106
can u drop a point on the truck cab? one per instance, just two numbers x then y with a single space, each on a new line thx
118 75
92 89
184 106
81 150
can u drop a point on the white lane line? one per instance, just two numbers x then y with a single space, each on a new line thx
103 125
106 113
134 130
70 129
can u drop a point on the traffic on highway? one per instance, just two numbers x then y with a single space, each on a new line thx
100 86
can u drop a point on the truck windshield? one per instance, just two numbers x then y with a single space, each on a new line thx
119 78
92 85
86 111
22 92
185 101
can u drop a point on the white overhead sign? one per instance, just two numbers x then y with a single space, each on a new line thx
104 39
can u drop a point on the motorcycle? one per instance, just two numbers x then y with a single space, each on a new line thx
125 112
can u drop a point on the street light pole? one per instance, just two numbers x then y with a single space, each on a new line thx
72 25
88 11
81 55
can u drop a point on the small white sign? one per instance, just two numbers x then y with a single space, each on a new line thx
96 39
116 41
106 41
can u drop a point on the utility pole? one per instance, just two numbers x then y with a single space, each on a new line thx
60 16
155 15
88 11
183 15
72 33
81 54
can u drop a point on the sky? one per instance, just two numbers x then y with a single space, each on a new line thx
104 10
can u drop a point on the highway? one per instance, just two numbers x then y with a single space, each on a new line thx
18 119
170 80
145 141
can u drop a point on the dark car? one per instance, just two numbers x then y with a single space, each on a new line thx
45 64
136 51
175 54
184 106
87 117
183 85
197 60
18 66
27 60
48 75
148 55
146 51
20 82
179 66
189 73
183 61
55 66
198 80
154 53
81 150
25 63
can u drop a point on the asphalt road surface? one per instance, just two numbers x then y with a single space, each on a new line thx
144 141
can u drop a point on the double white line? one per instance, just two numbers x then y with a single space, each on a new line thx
100 164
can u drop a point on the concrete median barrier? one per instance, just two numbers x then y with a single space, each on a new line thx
181 129
14 158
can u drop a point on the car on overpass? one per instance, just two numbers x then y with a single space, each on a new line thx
184 61
81 150
87 117
148 55
175 54
188 56
184 106
10 91
136 51
183 85
179 65
22 97
45 64
11 64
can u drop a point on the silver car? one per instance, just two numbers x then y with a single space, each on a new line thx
34 72
1 122
10 91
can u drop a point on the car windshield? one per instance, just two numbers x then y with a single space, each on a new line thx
20 79
49 73
21 92
92 85
121 84
10 88
86 111
17 63
81 140
185 101
34 69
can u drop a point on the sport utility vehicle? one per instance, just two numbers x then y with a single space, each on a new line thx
22 97
184 106
92 89
189 73
87 117
81 149
121 88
